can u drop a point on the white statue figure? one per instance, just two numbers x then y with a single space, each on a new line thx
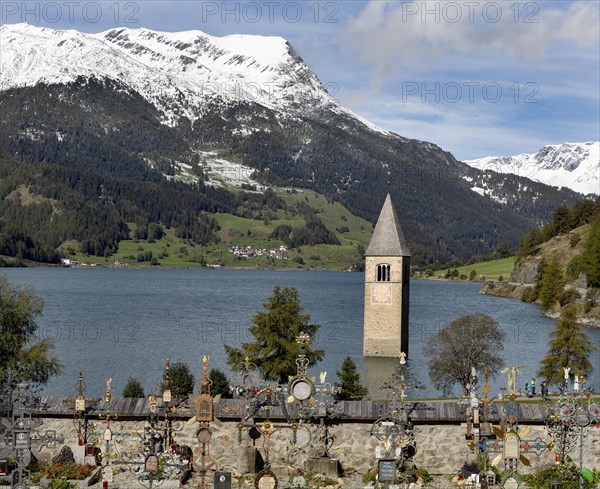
388 443
567 370
402 358
511 381
107 394
378 451
474 408
576 383
322 377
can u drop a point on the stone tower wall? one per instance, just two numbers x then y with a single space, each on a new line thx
382 319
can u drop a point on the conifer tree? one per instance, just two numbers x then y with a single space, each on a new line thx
133 388
551 284
180 380
275 329
529 244
220 383
349 385
569 347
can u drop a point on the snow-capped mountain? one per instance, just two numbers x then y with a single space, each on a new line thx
180 73
572 165
177 120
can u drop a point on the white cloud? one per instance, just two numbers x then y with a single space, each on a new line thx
469 130
550 51
396 36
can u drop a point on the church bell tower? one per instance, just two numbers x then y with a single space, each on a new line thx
387 274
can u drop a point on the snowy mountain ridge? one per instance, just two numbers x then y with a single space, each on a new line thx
572 165
180 73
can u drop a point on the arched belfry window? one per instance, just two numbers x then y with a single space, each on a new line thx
383 273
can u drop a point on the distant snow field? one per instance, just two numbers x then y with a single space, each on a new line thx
222 172
572 165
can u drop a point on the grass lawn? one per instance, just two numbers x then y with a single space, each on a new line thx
487 270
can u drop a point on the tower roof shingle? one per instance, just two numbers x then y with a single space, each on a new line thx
388 239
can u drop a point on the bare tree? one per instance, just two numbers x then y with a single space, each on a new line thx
467 343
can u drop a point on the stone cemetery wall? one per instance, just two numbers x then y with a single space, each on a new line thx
441 447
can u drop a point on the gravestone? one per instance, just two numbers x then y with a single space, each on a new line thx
329 467
65 456
250 460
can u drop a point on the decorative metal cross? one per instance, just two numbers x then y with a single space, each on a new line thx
570 417
396 430
21 440
511 441
151 463
81 419
204 462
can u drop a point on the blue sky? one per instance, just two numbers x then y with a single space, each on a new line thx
478 78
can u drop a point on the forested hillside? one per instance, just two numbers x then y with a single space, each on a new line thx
80 161
559 264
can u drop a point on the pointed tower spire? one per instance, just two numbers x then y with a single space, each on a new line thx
388 239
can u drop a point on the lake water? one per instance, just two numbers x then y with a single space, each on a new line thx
120 323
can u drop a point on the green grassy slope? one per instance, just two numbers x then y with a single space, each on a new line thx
171 251
488 270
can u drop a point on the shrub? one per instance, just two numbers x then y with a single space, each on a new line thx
529 295
61 484
68 471
574 239
567 296
567 475
369 477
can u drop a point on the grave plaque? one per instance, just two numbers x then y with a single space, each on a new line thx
151 463
80 404
222 480
204 407
203 435
512 446
511 483
387 470
22 440
266 480
152 403
301 389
